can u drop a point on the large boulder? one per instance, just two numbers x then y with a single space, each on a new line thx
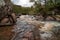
2 3
6 13
5 20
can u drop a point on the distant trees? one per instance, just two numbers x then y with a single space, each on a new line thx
50 7
53 5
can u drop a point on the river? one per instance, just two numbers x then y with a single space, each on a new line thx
24 27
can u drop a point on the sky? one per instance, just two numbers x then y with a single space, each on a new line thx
23 3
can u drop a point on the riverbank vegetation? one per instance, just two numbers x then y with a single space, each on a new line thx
50 7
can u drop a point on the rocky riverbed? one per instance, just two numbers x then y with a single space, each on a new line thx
27 23
28 28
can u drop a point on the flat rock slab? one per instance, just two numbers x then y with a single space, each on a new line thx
25 31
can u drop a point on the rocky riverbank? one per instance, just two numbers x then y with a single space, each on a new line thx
27 28
48 30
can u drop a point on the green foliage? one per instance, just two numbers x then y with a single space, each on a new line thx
38 8
23 10
46 9
16 9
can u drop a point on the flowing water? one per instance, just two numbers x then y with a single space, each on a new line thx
55 23
23 27
50 30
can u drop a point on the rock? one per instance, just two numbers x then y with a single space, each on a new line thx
45 32
50 32
49 18
46 36
25 39
56 32
58 19
40 18
5 20
34 30
26 30
2 3
27 18
14 17
47 27
7 15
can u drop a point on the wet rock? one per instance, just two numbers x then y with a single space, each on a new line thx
49 18
40 18
46 36
24 29
27 17
50 32
45 32
56 32
58 19
34 30
47 27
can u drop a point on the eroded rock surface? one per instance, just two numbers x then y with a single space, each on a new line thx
45 30
25 30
